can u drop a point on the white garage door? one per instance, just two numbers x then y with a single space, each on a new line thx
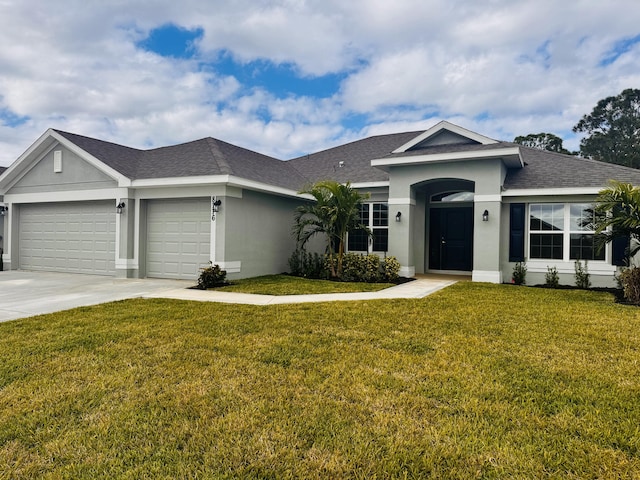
178 232
74 237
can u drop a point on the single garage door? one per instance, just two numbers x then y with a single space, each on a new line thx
178 235
73 237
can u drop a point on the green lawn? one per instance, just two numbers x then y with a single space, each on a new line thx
288 285
475 381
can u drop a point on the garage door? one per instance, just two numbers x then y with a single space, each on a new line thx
73 237
178 237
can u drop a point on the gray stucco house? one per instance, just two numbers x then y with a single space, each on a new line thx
442 200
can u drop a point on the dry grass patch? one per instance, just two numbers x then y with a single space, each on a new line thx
476 381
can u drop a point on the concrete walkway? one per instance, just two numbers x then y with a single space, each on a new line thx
24 294
419 288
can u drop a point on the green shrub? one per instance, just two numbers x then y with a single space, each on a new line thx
307 265
582 275
212 276
630 279
390 269
551 278
369 268
519 273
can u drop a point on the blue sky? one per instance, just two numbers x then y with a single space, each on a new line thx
290 77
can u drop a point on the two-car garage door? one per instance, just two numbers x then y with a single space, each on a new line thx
74 237
80 237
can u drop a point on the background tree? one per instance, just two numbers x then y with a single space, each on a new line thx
613 129
335 213
543 141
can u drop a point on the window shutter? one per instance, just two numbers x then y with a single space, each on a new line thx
620 246
516 232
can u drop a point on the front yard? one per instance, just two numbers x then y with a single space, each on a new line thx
475 381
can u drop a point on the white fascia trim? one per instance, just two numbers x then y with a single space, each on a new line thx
370 184
401 201
229 180
180 181
121 179
9 172
444 125
447 157
265 187
489 276
537 192
68 196
487 198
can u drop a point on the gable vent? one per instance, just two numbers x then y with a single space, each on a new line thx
57 161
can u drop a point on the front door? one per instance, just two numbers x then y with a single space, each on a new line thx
451 238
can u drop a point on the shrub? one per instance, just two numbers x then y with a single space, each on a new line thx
370 268
630 279
551 278
519 273
390 269
212 276
354 267
308 265
582 275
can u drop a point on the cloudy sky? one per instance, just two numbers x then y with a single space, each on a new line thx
289 77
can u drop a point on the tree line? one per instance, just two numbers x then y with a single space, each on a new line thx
612 132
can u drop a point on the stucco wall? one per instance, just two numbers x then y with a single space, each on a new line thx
256 231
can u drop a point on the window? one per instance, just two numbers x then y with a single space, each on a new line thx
582 238
562 232
546 224
376 217
463 196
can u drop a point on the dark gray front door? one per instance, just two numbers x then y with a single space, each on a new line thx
451 238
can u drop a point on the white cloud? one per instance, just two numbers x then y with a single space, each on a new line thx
500 67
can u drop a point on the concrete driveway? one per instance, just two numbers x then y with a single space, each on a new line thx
24 294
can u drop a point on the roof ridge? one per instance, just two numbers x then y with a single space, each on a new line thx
218 156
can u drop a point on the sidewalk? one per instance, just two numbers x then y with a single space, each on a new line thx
419 288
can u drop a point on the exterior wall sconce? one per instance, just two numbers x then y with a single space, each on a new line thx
398 216
120 207
3 210
485 216
216 205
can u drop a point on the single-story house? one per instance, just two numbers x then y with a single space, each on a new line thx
445 200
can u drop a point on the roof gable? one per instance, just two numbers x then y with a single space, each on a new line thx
443 134
43 146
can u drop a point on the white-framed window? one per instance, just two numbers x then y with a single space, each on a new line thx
563 231
376 217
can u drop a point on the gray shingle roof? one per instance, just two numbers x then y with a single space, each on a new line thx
545 169
207 156
356 156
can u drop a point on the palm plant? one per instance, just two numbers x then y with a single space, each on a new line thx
617 215
335 212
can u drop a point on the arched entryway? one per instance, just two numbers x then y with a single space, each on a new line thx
449 225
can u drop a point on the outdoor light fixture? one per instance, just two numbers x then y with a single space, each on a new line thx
119 208
216 205
3 210
485 216
398 216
